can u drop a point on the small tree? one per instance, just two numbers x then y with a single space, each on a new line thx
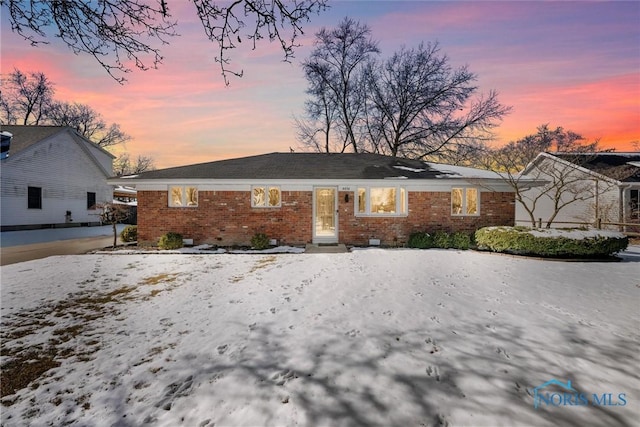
559 181
123 165
113 213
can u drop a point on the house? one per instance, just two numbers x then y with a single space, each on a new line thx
51 177
593 186
299 198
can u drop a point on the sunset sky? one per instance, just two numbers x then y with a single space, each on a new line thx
569 64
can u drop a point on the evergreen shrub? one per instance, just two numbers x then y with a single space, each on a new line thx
129 233
171 241
551 242
260 241
420 240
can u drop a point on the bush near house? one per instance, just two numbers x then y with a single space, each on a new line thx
260 241
551 242
170 241
129 233
420 240
440 239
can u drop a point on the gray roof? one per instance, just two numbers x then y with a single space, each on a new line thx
624 167
25 136
313 166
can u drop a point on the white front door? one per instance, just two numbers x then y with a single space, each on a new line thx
325 215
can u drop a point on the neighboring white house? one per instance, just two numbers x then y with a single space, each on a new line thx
595 185
52 177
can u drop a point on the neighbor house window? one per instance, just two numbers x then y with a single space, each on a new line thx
91 200
381 201
183 196
265 197
34 198
464 201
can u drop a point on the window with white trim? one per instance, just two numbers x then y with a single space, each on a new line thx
183 196
267 196
391 201
465 201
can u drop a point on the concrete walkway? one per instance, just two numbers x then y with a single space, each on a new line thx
325 249
22 253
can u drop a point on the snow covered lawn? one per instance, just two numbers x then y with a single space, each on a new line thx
371 337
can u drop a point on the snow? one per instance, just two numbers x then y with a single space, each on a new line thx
406 168
462 171
372 337
573 233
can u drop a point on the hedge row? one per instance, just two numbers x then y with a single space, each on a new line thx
551 243
440 239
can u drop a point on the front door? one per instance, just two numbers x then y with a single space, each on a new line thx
325 215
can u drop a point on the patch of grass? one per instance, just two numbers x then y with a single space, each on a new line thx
159 278
263 262
25 368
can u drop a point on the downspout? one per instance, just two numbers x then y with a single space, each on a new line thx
597 212
622 208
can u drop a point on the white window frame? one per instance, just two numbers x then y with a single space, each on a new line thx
401 208
267 190
183 195
464 201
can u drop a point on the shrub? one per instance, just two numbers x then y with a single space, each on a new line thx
260 241
460 240
551 243
441 240
129 233
170 241
420 240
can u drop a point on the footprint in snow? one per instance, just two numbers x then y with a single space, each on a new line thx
352 333
282 377
433 371
174 391
502 351
222 348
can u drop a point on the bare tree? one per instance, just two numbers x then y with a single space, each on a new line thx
123 165
25 98
88 122
334 72
121 34
113 214
420 104
561 181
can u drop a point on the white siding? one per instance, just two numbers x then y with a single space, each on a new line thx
65 173
578 211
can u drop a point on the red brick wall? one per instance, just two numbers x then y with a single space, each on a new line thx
428 211
227 218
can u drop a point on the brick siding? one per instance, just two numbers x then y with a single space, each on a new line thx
227 218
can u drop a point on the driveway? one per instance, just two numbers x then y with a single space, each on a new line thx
20 246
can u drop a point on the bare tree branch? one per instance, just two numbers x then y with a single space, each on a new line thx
125 34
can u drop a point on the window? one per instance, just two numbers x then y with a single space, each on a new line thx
183 196
265 197
464 201
91 201
381 201
34 198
